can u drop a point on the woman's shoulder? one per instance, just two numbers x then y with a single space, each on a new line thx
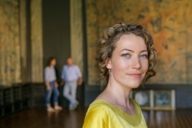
98 105
47 68
100 108
97 114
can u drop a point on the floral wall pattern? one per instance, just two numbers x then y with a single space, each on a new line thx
168 21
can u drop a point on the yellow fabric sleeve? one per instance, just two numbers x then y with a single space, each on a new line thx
96 118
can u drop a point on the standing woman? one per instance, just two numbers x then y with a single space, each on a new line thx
126 59
51 85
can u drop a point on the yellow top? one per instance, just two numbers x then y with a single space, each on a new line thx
105 115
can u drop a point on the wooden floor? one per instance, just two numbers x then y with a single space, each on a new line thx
169 119
39 118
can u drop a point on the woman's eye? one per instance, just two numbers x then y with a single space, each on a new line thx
127 55
144 56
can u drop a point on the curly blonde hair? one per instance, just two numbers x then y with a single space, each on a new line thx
107 43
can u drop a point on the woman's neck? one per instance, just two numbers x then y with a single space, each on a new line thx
51 66
118 93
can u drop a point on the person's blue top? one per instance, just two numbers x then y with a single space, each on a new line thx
70 73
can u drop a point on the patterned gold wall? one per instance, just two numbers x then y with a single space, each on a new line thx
13 42
169 21
9 42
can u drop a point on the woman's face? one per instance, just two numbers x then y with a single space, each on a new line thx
53 62
129 62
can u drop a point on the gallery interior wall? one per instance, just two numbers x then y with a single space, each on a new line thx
56 30
23 44
168 21
20 42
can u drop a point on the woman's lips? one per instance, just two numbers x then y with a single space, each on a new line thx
135 75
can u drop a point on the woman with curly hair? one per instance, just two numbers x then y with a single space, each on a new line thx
126 59
51 85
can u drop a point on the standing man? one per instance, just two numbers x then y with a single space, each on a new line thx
72 77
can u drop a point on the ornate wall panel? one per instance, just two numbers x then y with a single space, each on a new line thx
10 68
169 22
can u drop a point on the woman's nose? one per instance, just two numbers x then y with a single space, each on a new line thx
136 62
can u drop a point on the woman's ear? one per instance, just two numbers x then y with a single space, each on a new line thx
108 64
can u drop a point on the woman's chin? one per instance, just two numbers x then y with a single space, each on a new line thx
133 84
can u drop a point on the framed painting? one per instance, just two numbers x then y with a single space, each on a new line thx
143 98
164 99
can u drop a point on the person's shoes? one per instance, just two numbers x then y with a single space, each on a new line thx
50 109
73 106
58 108
77 103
